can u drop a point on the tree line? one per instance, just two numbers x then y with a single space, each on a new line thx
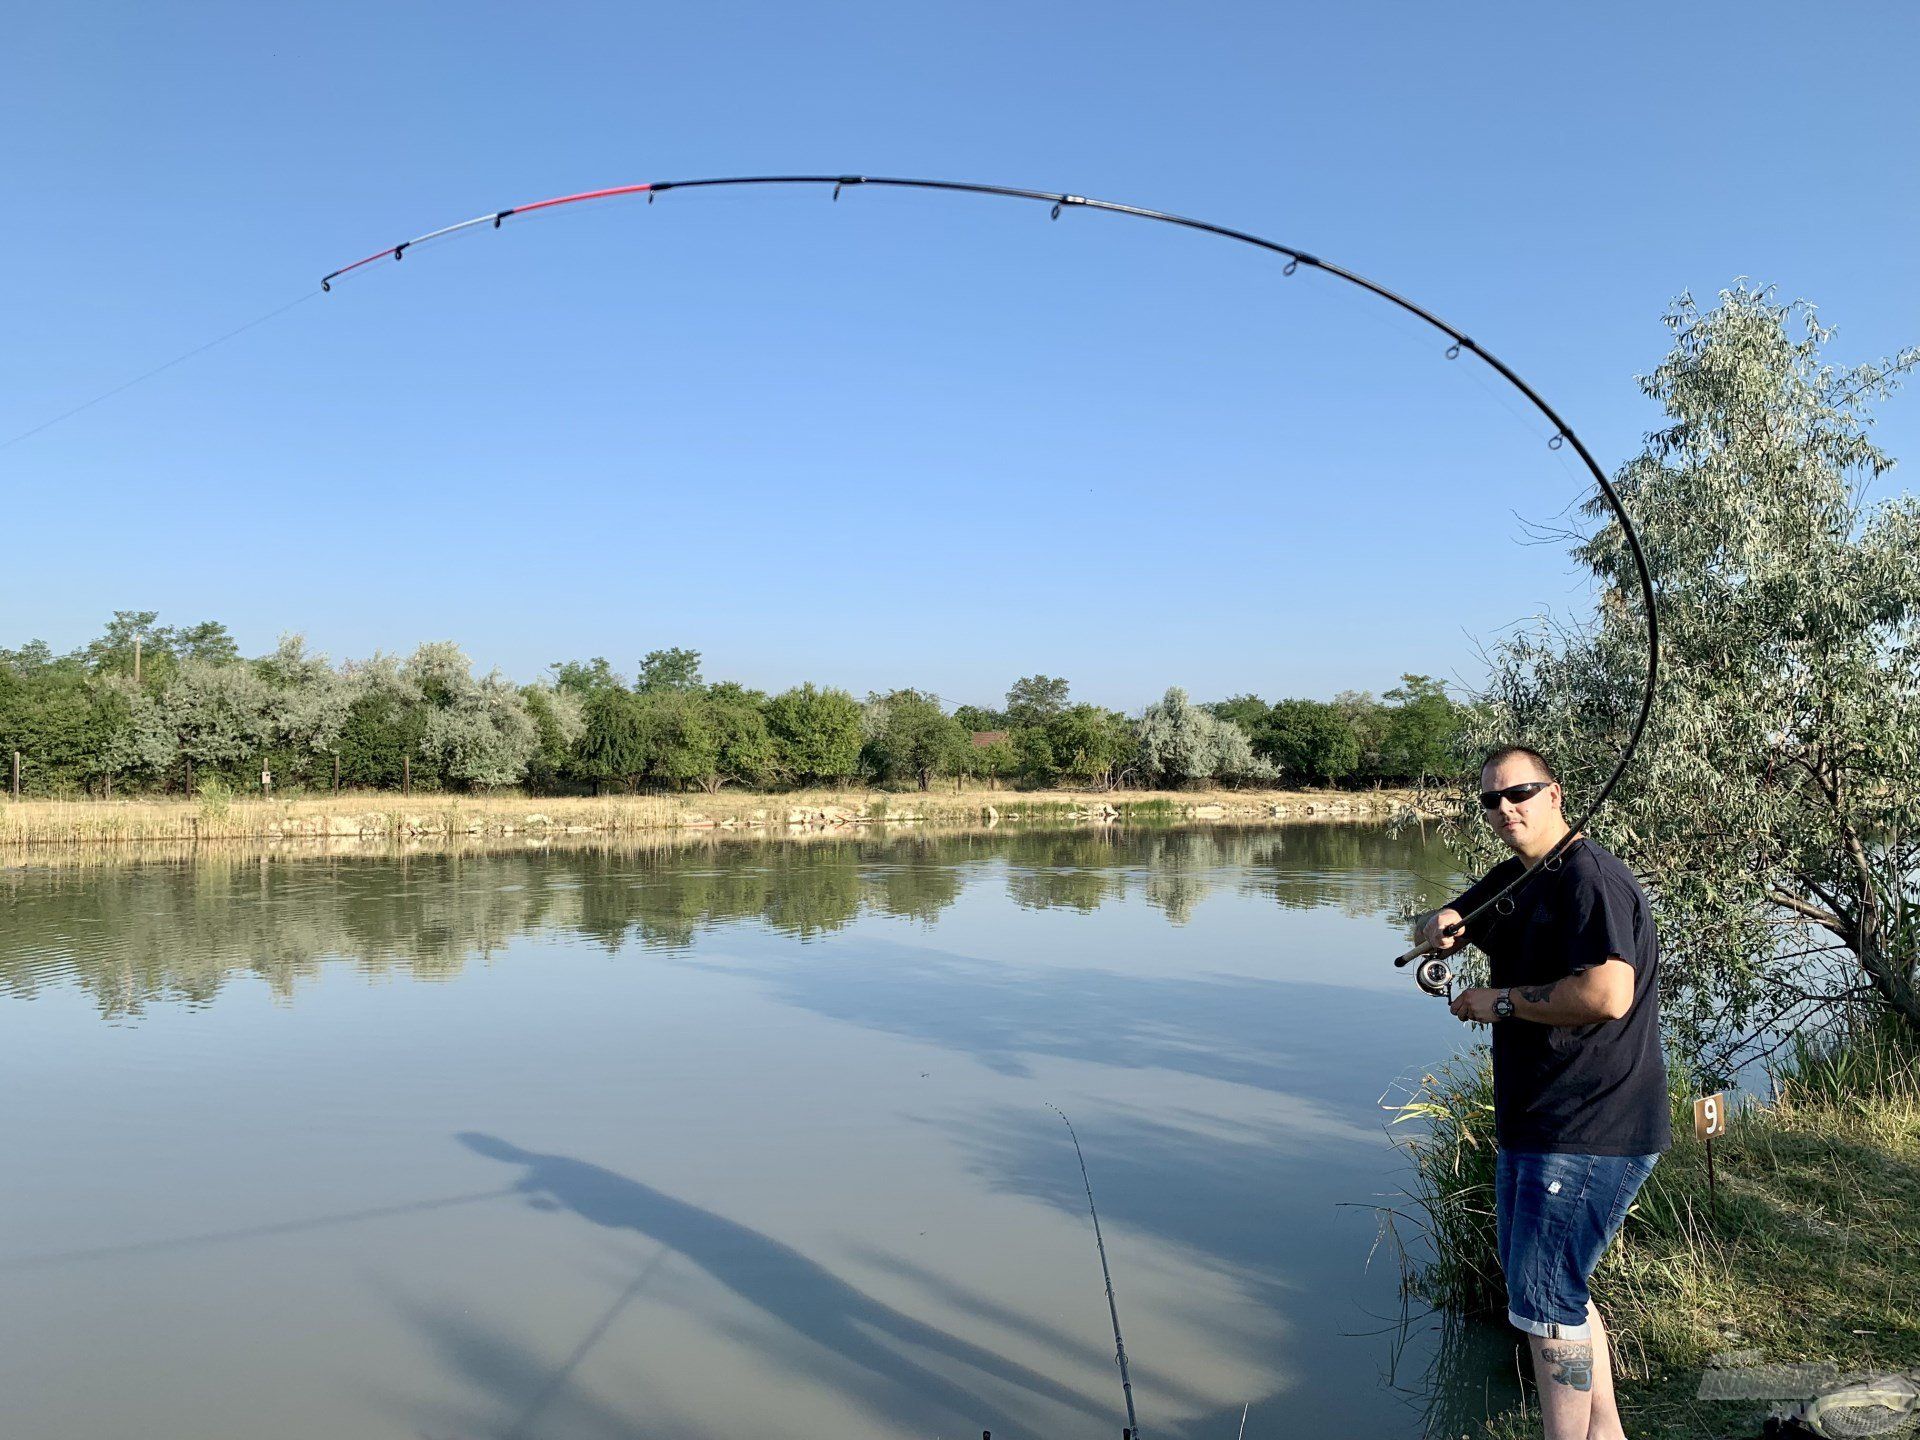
150 708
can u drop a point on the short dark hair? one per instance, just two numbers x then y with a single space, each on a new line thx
1507 752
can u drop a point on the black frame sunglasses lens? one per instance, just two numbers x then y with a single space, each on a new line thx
1518 794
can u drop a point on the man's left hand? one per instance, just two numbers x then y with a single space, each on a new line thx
1474 1005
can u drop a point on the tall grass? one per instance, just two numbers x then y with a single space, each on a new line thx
1448 1137
1861 1066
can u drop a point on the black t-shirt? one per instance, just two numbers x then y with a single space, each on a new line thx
1593 1089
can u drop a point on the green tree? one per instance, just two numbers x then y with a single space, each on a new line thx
1088 745
129 630
674 669
585 677
47 714
1032 755
1035 700
992 763
915 738
1311 741
160 647
1248 711
559 720
1772 809
1367 720
1233 759
612 747
743 747
385 723
207 642
816 734
1421 737
975 718
681 746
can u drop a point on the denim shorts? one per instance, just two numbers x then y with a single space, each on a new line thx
1556 1214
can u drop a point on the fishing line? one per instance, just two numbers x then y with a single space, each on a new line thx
1119 1345
158 369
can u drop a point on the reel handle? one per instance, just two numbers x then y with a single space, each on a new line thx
1402 961
1425 947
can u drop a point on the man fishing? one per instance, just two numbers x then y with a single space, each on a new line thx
1579 1080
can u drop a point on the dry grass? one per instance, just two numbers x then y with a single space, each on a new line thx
383 814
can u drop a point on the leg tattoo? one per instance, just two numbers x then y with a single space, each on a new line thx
1572 1362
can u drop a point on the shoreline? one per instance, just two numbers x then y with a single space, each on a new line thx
27 825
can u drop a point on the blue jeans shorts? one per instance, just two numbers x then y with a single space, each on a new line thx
1556 1214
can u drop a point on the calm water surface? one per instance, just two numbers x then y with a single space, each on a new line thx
724 1139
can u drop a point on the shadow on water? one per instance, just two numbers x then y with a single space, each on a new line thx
810 1301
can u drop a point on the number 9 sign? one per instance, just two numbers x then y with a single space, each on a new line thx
1710 1117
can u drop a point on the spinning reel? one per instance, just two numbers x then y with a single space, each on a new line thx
1433 974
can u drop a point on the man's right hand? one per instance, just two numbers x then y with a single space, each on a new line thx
1437 924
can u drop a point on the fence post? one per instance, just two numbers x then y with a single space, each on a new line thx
16 774
406 775
336 776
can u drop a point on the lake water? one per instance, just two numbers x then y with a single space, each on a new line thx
728 1138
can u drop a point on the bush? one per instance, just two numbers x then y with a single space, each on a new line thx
214 797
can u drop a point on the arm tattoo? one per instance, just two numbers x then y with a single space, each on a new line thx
1539 994
1572 1363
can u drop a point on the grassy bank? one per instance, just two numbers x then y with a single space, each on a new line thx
372 815
1808 1257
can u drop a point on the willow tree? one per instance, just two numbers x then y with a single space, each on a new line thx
478 729
1181 742
1774 807
311 703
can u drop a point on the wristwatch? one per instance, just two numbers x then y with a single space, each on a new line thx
1503 1004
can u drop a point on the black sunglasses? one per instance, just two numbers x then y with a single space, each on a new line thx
1518 794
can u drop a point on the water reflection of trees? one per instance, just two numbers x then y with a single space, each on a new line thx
138 932
1360 870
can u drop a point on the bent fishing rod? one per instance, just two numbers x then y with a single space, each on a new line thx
1433 976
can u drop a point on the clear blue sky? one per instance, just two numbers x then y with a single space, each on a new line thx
902 439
